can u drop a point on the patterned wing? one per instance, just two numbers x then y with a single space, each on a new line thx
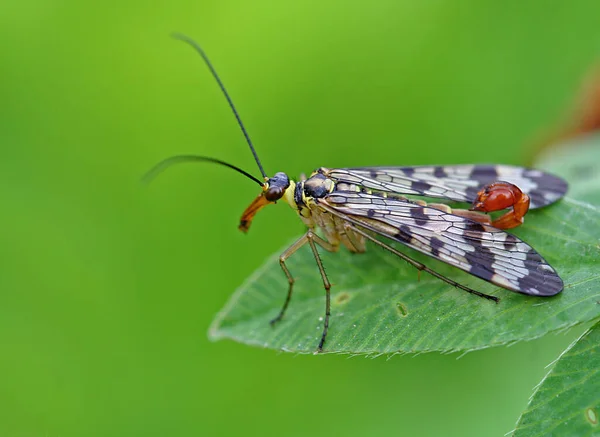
455 182
481 250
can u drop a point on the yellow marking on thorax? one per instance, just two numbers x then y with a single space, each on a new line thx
308 201
288 196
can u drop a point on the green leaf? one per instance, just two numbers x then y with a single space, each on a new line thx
379 304
567 401
577 161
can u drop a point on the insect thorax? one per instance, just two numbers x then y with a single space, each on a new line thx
300 195
303 196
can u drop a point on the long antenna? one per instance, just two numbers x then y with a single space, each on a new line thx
178 159
195 45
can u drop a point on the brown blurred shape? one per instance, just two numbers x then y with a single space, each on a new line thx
582 118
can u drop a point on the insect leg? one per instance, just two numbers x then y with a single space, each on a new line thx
312 239
284 256
417 264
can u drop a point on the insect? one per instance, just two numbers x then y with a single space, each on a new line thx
352 206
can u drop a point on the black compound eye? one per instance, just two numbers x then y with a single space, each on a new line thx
274 193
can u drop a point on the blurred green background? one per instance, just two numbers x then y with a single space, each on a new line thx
107 289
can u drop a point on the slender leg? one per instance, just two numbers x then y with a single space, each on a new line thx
312 239
350 241
285 255
418 265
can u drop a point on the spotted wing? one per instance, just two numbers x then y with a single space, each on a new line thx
481 250
454 182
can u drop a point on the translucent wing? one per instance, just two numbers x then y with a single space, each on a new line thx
455 182
481 250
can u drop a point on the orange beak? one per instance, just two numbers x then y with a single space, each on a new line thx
259 203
